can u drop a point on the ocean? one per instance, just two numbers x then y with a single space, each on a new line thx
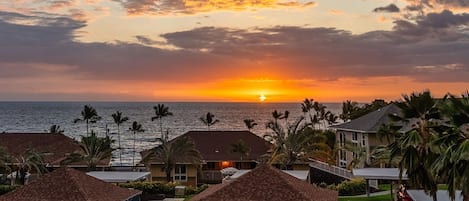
39 116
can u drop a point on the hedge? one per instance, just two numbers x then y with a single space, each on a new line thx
6 188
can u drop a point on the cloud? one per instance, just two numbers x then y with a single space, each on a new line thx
175 7
391 8
213 53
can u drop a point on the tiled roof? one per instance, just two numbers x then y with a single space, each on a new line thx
266 183
216 145
55 147
370 122
67 184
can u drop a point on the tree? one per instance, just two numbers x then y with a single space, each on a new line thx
277 115
296 142
250 123
241 148
136 128
88 115
30 160
93 150
209 120
119 119
180 150
161 111
56 129
306 107
331 118
419 110
452 164
348 109
4 160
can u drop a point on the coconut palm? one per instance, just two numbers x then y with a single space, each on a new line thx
250 123
88 115
30 160
93 150
4 160
331 118
348 109
414 146
241 148
119 119
180 150
307 106
56 129
136 128
161 111
296 142
209 120
453 147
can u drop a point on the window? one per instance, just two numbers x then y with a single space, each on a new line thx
354 136
341 139
343 158
180 173
363 140
211 165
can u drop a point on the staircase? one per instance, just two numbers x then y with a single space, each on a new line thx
341 172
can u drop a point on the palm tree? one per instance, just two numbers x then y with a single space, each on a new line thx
136 128
180 150
56 129
88 115
277 115
296 142
331 118
161 111
307 106
241 148
250 123
93 150
348 109
414 146
209 120
453 147
30 160
119 119
4 160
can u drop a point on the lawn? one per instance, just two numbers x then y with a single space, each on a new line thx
374 198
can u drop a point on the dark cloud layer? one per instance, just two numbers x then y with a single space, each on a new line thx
434 48
391 8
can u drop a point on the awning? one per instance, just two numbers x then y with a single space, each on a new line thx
299 174
119 177
379 173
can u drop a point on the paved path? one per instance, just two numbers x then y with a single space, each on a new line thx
371 194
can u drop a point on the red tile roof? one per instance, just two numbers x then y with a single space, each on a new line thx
55 147
216 145
67 184
266 183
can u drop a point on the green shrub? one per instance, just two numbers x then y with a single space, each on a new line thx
190 190
322 185
6 188
352 187
152 187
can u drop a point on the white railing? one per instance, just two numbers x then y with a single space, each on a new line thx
342 172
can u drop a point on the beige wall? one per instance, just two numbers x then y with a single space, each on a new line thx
158 175
371 141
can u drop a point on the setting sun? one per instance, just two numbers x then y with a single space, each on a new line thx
262 97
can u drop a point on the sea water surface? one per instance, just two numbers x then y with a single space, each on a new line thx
39 116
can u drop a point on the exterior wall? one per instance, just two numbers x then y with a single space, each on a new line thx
366 140
158 175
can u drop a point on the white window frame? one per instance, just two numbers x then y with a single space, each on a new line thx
178 173
354 137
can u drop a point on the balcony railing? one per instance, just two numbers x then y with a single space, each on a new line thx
342 172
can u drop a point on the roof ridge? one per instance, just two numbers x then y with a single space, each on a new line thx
73 179
289 179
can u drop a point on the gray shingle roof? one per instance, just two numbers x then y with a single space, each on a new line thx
370 122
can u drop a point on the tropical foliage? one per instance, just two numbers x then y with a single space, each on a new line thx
30 160
181 149
119 119
56 129
88 115
136 128
432 142
250 123
93 150
209 120
161 111
241 148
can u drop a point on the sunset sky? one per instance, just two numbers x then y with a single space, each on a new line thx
231 50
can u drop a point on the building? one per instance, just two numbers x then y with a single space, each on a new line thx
71 185
361 133
266 183
215 149
54 148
